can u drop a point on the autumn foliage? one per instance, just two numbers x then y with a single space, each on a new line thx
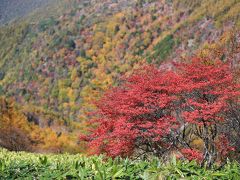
158 111
18 133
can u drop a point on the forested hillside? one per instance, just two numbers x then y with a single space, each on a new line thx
56 63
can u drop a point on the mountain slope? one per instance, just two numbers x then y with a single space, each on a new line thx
63 62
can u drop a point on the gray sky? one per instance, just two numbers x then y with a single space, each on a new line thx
12 9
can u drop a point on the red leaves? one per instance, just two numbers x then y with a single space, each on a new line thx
149 106
192 154
223 145
139 112
209 87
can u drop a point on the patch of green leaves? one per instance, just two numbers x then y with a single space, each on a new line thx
163 49
22 165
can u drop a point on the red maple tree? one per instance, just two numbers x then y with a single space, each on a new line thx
151 110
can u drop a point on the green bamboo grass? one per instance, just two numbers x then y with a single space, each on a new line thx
21 165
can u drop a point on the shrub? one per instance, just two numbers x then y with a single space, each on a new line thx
163 49
70 44
14 139
47 23
152 109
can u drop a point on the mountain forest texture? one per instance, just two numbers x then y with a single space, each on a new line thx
88 74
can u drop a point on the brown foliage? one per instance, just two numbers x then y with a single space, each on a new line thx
14 139
21 132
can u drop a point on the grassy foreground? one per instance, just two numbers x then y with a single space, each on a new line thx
36 166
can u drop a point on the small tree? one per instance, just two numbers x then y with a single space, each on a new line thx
152 110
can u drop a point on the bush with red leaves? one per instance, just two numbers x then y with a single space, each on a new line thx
151 110
192 154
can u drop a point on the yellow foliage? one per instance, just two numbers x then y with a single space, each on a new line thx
74 74
197 144
90 52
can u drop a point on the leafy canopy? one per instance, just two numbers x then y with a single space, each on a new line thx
151 111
